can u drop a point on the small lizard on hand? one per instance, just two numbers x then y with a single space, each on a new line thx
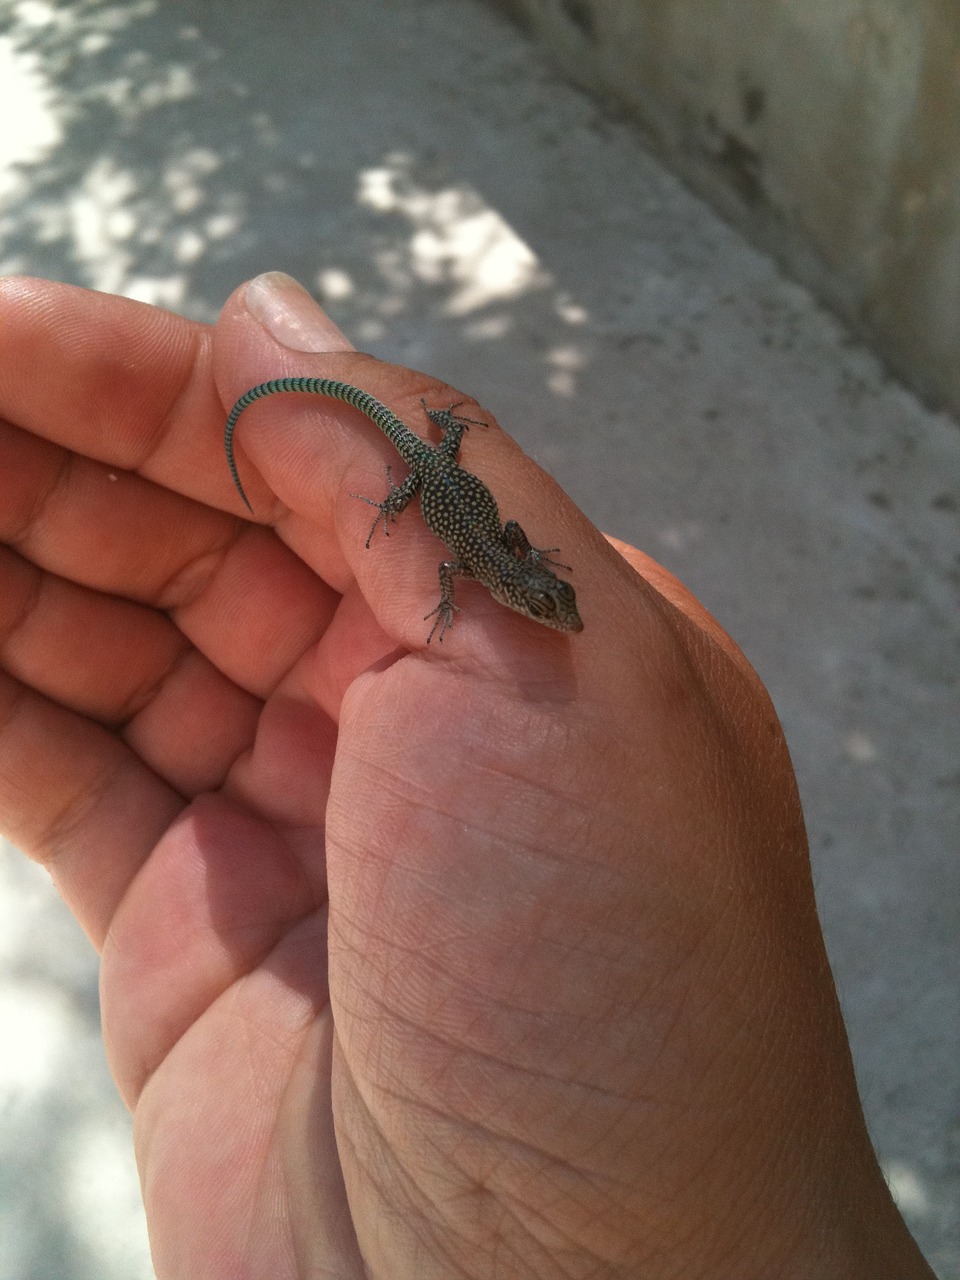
456 506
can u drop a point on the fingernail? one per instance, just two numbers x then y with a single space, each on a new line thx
291 316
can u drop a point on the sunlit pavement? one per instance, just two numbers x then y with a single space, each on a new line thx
459 209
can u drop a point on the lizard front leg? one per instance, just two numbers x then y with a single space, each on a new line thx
446 608
516 541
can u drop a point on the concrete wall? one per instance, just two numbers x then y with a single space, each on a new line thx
828 129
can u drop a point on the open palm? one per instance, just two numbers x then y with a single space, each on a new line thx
482 960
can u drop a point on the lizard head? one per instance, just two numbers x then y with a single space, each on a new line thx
545 598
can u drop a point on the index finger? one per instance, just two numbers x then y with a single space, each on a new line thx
116 380
131 387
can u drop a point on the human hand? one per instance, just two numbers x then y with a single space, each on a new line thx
495 959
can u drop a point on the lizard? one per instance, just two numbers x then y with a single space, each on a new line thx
456 505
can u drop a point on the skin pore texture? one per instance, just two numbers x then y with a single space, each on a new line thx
494 959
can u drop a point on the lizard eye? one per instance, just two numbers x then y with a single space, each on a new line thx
541 605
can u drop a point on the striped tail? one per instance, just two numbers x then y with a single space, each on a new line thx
402 438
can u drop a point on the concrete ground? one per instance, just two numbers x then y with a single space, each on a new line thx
461 210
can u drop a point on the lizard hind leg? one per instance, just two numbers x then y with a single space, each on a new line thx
443 417
398 497
453 425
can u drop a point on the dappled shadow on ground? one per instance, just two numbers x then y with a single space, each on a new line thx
420 173
69 1205
167 152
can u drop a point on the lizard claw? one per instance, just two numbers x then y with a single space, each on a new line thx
444 618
